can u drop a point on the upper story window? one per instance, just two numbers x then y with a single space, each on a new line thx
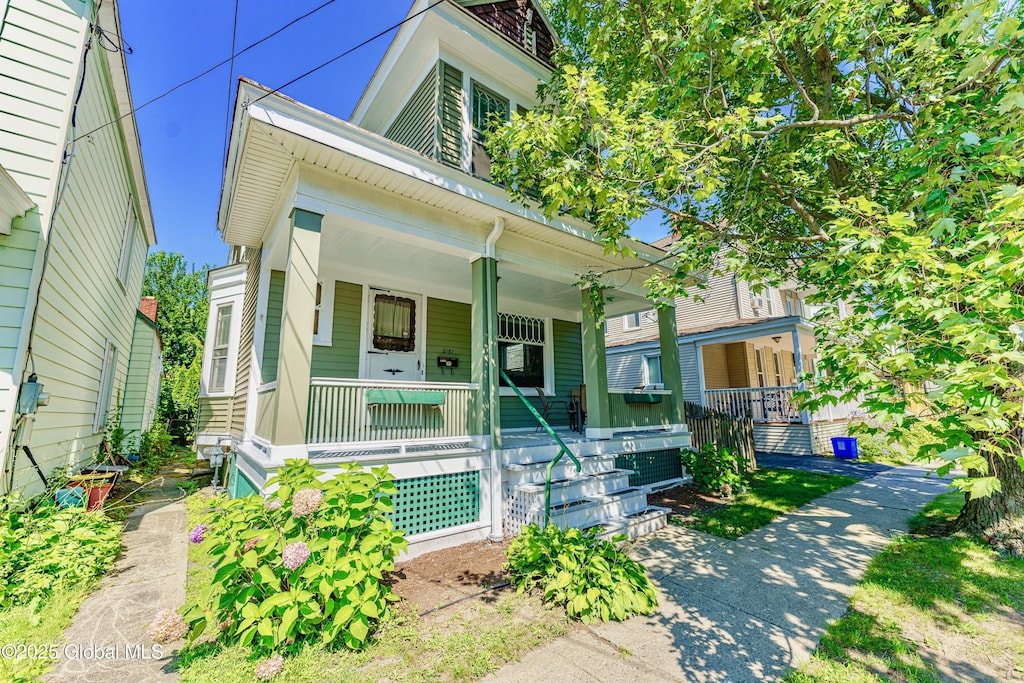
131 226
486 106
631 321
762 304
529 34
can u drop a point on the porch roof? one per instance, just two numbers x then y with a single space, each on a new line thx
736 330
273 135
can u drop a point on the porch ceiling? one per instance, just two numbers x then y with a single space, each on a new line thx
278 143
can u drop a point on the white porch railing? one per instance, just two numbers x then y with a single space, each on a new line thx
340 410
763 404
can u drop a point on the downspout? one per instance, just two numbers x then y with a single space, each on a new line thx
497 532
736 296
492 238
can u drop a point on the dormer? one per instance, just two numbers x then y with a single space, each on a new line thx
451 68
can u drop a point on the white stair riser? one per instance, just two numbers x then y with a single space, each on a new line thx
624 505
578 489
565 469
640 525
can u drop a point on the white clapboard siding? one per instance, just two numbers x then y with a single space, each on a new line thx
82 303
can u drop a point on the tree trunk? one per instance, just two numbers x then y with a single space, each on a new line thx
999 517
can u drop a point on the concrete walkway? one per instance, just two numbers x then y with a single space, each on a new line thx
745 610
149 576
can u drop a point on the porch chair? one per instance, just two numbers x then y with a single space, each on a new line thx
578 408
546 406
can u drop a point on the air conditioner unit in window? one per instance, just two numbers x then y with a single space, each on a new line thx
757 303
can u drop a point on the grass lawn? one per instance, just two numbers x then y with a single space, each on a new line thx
769 494
929 608
460 643
44 627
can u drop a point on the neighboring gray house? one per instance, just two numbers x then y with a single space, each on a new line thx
739 353
75 226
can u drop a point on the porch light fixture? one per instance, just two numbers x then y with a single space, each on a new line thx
776 339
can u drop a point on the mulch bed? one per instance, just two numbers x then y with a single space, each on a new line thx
436 579
684 501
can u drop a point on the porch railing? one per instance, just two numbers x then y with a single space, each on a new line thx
762 404
359 410
638 409
266 402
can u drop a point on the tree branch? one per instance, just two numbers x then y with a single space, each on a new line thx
833 123
790 200
784 63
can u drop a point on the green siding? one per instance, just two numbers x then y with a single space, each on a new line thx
448 334
449 116
415 126
272 331
341 358
140 368
568 376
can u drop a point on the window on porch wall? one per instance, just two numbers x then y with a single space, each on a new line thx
777 358
521 342
759 363
652 371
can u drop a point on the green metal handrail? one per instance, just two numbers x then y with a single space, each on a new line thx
563 449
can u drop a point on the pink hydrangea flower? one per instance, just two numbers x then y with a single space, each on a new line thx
306 501
269 667
167 627
295 555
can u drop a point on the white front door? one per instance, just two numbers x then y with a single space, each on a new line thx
394 335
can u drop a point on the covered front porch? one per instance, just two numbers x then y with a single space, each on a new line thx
754 369
390 297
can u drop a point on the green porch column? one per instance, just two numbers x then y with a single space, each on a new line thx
671 374
595 371
295 352
484 364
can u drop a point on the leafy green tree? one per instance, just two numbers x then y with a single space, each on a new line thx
182 309
870 149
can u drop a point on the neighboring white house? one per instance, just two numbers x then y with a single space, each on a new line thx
145 371
75 226
379 285
740 352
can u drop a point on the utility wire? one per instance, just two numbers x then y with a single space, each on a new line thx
231 73
347 52
208 71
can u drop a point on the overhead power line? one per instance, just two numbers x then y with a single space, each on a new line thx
231 72
347 52
208 71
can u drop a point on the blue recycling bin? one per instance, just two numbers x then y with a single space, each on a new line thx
845 447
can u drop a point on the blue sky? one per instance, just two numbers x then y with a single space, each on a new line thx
183 134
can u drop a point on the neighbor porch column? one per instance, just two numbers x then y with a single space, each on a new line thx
295 354
595 370
671 373
798 367
699 354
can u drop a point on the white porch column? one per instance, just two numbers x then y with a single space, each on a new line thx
700 374
798 365
295 356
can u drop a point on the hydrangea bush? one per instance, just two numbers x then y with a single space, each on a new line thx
306 563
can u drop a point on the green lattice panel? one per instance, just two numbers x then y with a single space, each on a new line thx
651 467
425 504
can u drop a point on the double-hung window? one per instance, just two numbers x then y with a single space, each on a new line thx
131 226
522 343
487 107
652 371
323 314
631 321
221 347
107 374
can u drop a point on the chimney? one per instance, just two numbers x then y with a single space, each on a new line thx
148 307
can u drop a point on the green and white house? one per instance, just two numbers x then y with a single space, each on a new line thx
379 285
145 370
75 226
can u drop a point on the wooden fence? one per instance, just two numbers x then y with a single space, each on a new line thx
723 430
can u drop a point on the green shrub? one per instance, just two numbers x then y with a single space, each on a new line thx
714 470
588 575
306 563
45 549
